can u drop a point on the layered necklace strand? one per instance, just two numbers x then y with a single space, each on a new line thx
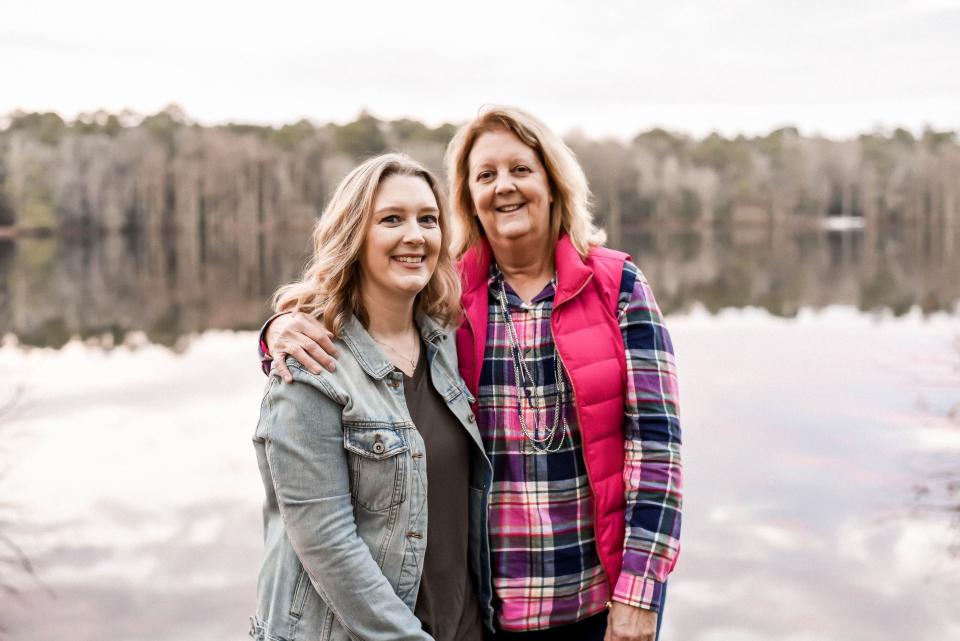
527 391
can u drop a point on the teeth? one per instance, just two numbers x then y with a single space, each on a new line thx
409 259
506 209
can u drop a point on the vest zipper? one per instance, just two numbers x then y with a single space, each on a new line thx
586 459
476 366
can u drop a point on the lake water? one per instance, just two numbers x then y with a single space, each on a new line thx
818 374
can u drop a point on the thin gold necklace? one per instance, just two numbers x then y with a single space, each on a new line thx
412 361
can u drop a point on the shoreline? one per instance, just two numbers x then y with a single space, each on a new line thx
9 232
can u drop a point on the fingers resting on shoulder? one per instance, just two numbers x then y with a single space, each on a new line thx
305 339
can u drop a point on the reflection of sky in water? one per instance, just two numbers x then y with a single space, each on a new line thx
803 441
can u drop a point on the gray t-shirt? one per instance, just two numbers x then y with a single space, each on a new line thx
447 604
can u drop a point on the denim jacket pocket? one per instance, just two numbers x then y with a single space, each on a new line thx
378 465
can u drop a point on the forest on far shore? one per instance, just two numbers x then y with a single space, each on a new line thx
105 172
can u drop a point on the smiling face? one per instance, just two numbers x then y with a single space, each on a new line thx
510 189
402 243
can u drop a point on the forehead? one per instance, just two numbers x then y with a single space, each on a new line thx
404 191
499 145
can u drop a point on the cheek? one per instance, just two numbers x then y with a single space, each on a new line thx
374 253
369 257
544 188
364 258
378 243
434 240
480 199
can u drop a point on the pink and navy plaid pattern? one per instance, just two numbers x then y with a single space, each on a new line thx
546 571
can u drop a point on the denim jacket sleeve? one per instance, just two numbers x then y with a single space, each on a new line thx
303 437
266 358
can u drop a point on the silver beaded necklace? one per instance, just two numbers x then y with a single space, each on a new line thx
527 392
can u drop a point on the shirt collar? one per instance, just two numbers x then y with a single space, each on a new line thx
496 277
369 355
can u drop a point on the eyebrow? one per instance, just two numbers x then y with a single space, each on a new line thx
401 210
512 160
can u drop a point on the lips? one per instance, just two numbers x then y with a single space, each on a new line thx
508 209
414 260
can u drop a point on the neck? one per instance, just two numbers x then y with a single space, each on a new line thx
525 260
388 316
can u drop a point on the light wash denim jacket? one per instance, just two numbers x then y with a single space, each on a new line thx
345 517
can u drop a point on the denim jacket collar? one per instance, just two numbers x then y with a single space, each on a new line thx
369 355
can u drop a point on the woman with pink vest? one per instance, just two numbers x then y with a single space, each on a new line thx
565 351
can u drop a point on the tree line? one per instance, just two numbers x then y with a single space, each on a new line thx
106 171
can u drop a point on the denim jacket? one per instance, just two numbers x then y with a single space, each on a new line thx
345 517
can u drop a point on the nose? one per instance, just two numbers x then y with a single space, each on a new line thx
412 233
504 183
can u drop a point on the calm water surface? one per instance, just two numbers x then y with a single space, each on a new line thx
815 449
822 481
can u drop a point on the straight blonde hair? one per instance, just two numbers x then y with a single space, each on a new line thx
329 287
570 211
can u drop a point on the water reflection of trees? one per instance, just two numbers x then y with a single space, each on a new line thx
784 270
172 284
166 285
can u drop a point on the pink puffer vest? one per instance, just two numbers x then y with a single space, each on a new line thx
590 344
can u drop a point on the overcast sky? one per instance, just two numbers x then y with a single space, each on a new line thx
608 67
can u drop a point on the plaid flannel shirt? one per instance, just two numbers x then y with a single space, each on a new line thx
546 571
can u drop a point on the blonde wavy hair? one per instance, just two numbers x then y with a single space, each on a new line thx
330 284
570 211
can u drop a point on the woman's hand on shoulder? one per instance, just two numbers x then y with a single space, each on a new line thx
303 337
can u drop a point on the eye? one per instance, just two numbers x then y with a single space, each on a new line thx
390 219
429 220
521 169
485 176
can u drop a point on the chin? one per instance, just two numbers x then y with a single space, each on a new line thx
514 231
412 287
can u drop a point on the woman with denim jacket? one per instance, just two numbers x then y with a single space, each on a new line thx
375 474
